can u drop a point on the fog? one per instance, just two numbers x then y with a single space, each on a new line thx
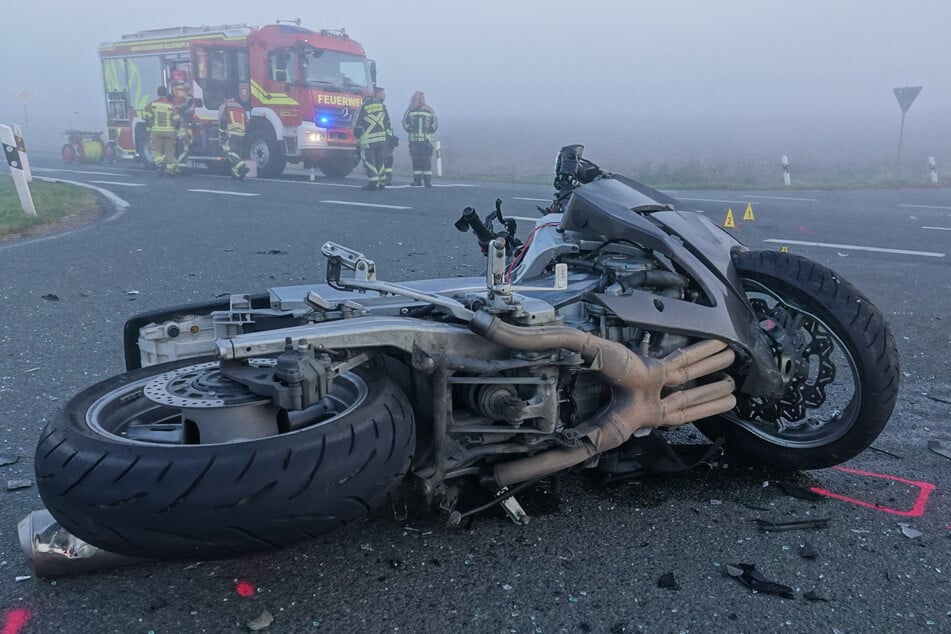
657 80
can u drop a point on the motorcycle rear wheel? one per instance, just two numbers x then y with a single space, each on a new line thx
130 475
846 382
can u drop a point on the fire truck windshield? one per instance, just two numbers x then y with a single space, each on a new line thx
333 69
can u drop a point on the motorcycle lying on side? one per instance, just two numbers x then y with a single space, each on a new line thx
255 421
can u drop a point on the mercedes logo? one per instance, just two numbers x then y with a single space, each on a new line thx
345 114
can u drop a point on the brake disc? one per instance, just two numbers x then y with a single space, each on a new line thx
199 386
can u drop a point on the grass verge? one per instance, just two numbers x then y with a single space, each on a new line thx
54 202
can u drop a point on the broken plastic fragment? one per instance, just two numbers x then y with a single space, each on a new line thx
794 525
940 447
812 595
755 581
13 485
909 532
808 551
8 460
799 492
262 621
51 297
667 580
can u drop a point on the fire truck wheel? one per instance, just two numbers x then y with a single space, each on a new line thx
337 166
266 152
69 154
142 147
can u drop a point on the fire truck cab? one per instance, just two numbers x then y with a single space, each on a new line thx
301 88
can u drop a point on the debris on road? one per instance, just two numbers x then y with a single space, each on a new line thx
51 297
8 460
13 485
795 491
668 581
271 252
794 525
812 595
938 399
909 532
755 581
133 294
262 621
808 551
23 577
887 453
940 447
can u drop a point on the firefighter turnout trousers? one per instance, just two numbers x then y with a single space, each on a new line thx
421 152
233 147
374 160
162 145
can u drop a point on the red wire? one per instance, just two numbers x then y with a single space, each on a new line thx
521 252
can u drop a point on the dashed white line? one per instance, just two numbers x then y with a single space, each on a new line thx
806 200
852 247
538 200
353 204
715 200
118 183
224 193
938 228
924 206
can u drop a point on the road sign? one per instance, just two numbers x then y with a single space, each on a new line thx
23 95
906 96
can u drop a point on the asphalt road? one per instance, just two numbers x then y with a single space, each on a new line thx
591 557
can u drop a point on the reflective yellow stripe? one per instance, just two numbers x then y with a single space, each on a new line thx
272 98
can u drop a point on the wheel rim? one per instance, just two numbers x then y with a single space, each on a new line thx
260 152
196 405
822 400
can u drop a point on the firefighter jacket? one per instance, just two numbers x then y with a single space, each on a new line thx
232 118
420 123
373 123
161 116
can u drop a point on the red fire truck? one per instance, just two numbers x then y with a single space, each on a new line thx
302 89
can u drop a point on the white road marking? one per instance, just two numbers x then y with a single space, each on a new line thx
118 183
50 169
924 206
807 200
938 228
224 193
353 204
715 200
539 200
928 254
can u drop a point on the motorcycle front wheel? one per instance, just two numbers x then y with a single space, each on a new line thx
175 461
839 355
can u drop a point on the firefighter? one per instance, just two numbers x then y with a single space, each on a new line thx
163 122
182 99
231 128
392 141
420 123
372 131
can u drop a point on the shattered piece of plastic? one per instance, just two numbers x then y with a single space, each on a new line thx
8 460
667 580
716 502
940 447
22 577
909 532
262 621
51 297
812 595
798 492
755 581
795 525
52 551
13 485
808 551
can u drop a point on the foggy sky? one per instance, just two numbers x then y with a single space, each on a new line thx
774 72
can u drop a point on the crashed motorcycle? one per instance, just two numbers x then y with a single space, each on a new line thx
258 420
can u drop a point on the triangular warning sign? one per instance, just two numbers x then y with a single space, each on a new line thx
906 96
729 219
748 214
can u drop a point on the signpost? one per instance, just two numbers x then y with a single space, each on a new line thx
905 96
16 169
24 95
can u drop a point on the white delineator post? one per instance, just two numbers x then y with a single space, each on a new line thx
438 158
934 169
21 148
785 170
16 169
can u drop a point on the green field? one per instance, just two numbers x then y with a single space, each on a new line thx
53 201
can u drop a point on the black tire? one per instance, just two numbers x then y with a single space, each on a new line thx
209 501
144 152
337 166
861 342
265 150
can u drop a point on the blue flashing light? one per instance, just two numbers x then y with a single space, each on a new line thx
324 120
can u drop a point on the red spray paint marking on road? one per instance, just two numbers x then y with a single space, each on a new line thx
245 589
917 510
15 620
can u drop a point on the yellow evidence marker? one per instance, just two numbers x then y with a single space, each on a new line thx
784 249
748 214
729 219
